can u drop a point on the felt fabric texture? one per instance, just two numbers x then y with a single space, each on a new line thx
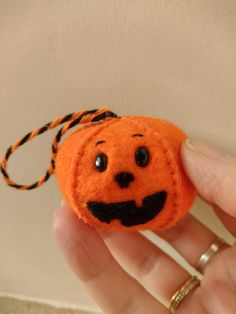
82 184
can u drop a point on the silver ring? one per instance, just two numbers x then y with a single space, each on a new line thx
209 253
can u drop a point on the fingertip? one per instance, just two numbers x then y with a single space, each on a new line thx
64 203
200 162
212 172
60 211
60 216
65 216
195 147
187 144
192 160
68 228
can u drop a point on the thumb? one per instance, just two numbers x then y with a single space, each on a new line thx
212 172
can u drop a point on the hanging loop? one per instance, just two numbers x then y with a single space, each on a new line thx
71 120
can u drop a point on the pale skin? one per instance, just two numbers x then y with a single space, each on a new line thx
151 277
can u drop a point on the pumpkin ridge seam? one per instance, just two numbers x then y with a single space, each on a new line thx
74 183
172 164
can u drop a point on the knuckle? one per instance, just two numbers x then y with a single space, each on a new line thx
129 306
146 264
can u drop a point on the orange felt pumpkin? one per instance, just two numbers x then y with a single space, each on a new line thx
125 174
117 173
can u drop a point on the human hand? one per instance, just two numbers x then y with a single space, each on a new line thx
96 256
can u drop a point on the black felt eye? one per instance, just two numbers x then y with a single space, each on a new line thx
142 156
101 162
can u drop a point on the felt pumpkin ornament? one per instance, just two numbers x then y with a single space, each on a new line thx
117 173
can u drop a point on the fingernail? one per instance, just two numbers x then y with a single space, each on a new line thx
205 149
64 204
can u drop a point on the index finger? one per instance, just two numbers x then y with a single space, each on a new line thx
113 289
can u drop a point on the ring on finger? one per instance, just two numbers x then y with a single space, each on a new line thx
178 297
206 257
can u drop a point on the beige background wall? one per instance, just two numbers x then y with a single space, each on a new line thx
171 59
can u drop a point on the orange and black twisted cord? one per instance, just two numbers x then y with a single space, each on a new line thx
71 120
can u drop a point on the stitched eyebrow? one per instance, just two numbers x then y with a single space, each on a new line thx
137 135
100 142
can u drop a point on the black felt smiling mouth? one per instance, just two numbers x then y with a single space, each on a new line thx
128 212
